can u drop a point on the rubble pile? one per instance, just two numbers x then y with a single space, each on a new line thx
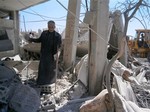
19 92
42 98
130 90
136 84
142 93
14 95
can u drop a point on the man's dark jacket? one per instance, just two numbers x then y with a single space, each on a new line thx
50 42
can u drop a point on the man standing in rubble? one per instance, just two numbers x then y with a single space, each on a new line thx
50 43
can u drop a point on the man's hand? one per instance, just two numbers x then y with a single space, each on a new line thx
56 56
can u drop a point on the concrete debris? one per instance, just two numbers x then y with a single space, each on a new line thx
15 94
77 91
135 87
131 93
8 81
25 99
122 105
47 103
142 93
100 103
130 89
73 105
141 77
81 70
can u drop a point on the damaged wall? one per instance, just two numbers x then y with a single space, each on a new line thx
11 26
7 25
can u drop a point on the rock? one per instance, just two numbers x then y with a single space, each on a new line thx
100 103
25 99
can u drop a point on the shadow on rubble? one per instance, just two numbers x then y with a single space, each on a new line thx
73 105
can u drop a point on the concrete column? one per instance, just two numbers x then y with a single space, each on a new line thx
14 15
98 50
118 22
71 33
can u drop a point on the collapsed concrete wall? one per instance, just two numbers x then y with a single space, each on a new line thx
7 26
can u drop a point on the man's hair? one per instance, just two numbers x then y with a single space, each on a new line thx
51 21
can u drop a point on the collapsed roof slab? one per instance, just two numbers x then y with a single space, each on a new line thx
17 5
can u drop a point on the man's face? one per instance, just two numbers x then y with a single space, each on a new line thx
51 27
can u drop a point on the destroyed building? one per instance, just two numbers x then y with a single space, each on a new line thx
91 75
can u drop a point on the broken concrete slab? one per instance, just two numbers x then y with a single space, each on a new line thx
100 103
24 99
73 105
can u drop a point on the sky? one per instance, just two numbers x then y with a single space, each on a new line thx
36 17
50 10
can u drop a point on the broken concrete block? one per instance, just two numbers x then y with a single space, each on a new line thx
100 103
122 105
6 73
48 107
25 99
77 91
81 70
124 88
3 95
141 77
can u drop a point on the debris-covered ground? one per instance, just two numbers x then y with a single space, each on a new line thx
18 82
19 92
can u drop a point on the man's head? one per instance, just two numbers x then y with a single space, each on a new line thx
142 35
51 26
